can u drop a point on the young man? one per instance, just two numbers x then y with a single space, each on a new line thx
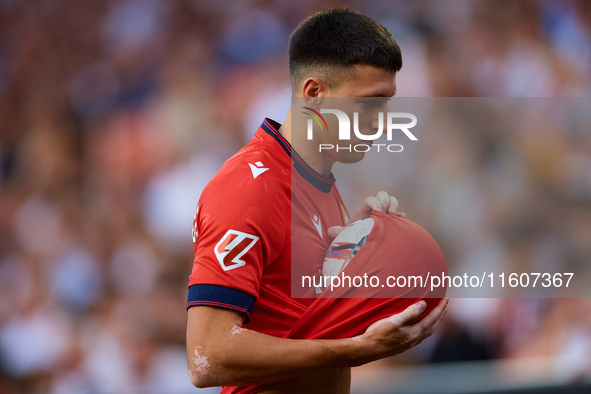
276 189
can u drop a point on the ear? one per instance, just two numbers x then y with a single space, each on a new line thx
314 87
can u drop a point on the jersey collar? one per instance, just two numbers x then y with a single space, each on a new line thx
320 182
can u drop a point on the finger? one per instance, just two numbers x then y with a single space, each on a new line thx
334 231
401 215
432 316
393 208
372 203
364 211
432 329
410 313
440 320
384 200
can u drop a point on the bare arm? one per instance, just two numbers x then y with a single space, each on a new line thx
221 352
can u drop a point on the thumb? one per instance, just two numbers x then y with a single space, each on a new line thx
410 313
334 231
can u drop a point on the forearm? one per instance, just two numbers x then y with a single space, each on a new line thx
220 352
252 358
242 357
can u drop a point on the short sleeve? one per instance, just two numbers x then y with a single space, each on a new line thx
239 228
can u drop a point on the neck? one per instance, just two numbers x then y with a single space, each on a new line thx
308 150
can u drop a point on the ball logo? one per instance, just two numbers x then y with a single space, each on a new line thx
233 245
345 246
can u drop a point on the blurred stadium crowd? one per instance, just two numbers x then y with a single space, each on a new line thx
115 114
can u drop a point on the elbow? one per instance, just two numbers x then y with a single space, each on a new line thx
200 370
195 380
200 380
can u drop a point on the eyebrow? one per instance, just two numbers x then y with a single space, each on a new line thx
381 94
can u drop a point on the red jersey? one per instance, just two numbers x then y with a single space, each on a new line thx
263 219
242 233
394 248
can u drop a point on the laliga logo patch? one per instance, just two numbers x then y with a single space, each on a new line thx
233 245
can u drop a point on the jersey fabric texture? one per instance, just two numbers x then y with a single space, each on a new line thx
395 247
265 211
243 234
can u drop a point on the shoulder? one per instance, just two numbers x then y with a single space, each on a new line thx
247 200
252 190
253 174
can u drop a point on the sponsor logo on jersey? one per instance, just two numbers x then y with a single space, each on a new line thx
257 169
233 245
345 214
317 224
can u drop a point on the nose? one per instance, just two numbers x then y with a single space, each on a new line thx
375 125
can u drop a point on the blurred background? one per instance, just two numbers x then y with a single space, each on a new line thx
115 114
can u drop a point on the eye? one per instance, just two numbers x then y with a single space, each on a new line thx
371 103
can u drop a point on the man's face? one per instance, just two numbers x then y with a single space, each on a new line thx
366 91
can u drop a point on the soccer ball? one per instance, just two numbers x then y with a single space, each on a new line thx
384 256
345 246
380 266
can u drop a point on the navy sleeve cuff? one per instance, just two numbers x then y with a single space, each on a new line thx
221 297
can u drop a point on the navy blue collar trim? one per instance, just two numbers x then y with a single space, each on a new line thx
324 185
272 128
320 182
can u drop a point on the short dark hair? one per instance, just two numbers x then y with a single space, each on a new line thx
339 38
